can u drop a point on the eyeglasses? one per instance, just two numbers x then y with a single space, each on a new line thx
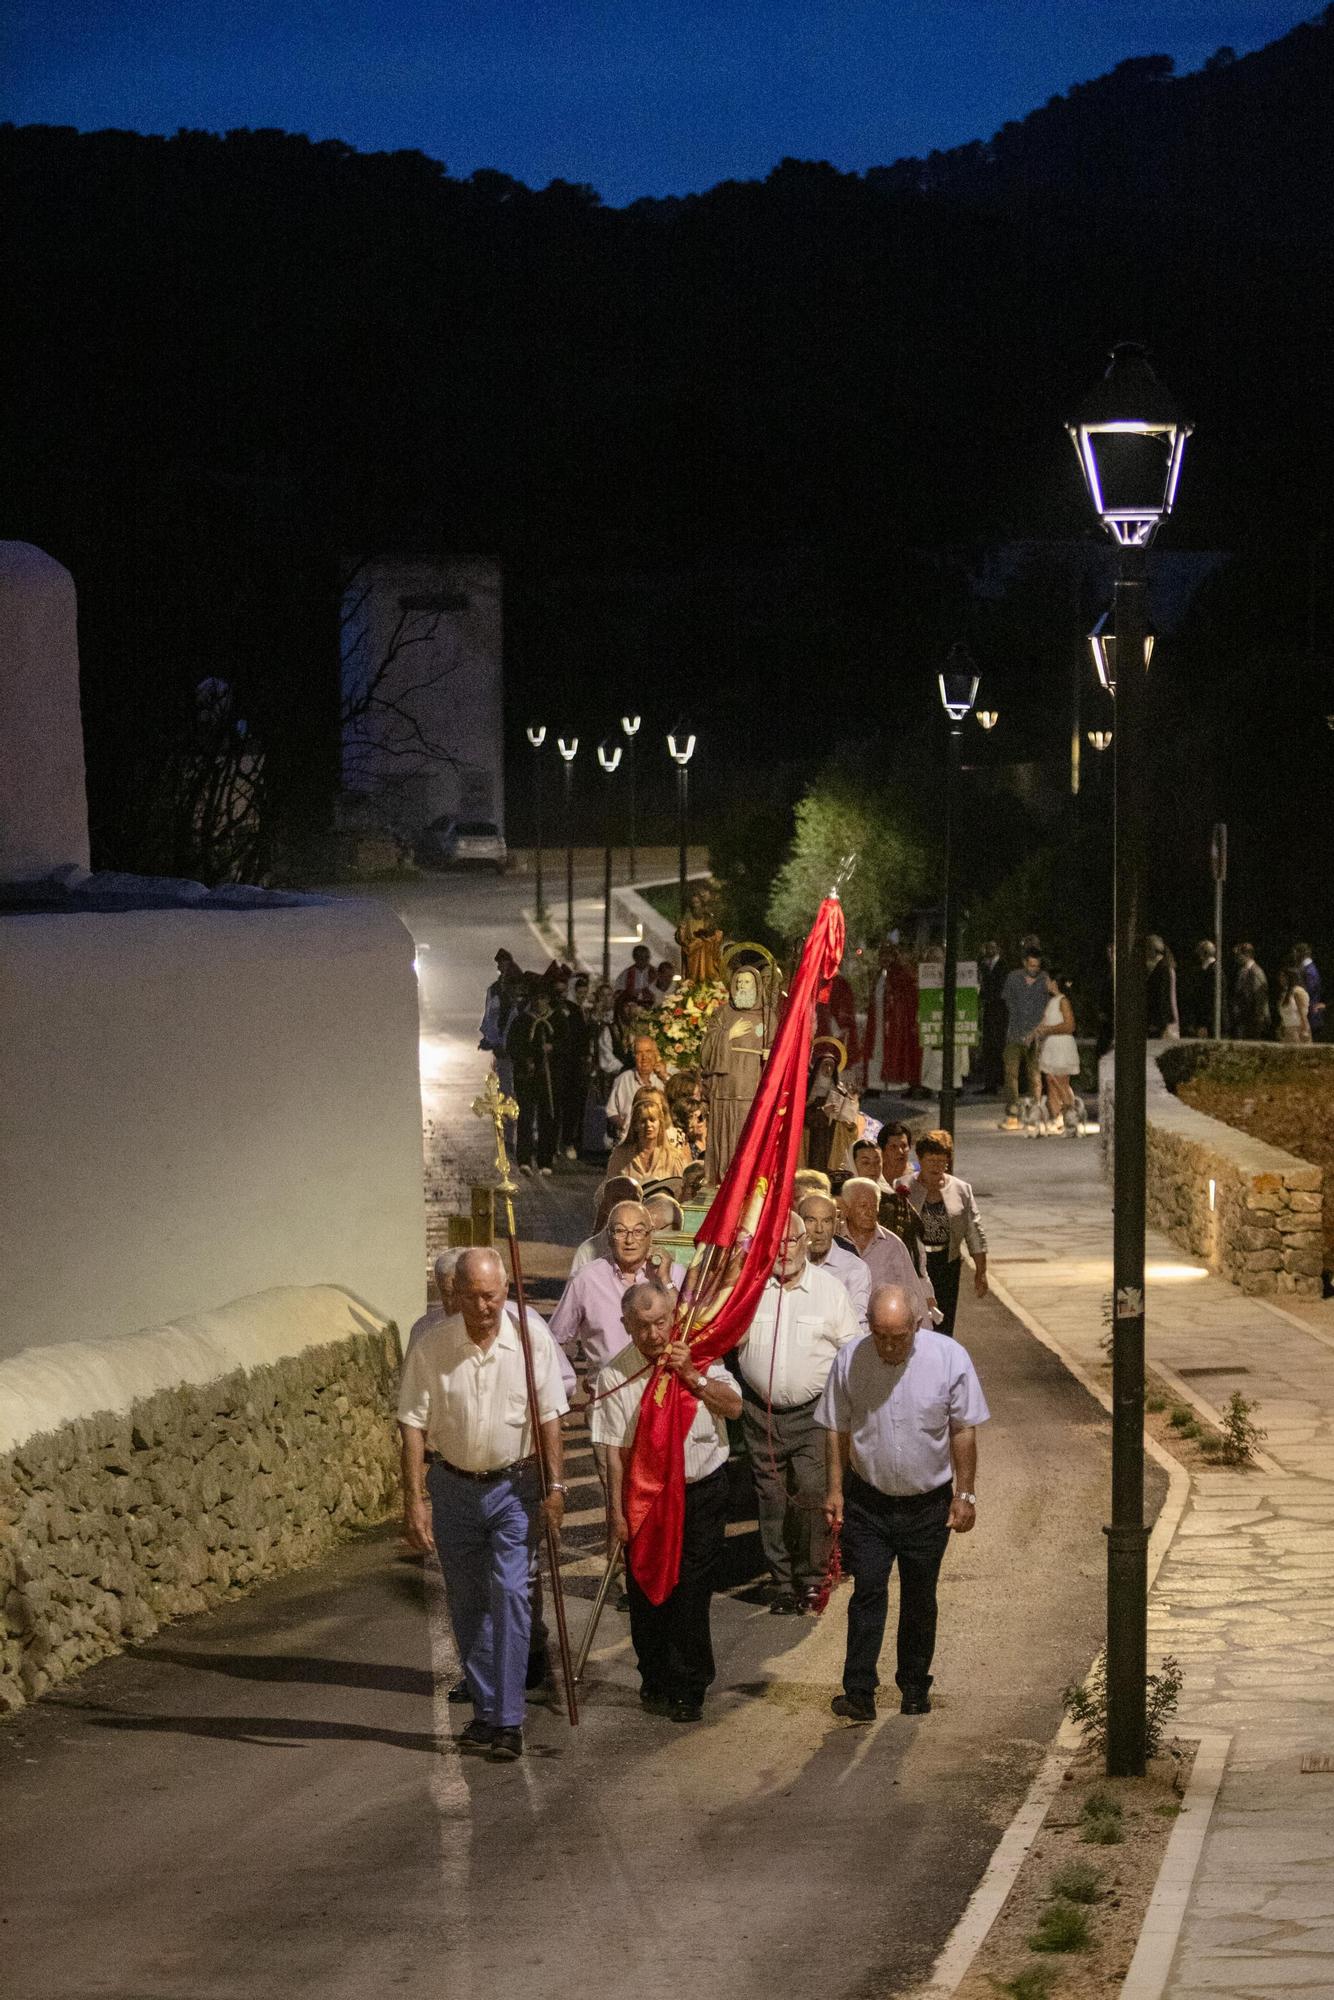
628 1235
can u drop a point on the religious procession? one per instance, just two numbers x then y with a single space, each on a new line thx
768 1293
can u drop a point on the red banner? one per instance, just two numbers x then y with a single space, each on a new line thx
735 1253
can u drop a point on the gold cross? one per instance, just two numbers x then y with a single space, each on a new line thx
495 1105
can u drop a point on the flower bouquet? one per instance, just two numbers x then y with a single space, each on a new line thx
678 1025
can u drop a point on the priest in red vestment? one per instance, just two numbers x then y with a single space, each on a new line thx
891 1052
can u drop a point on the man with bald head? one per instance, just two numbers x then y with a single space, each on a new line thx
464 1394
901 1409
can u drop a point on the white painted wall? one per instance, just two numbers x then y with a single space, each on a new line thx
201 1104
43 811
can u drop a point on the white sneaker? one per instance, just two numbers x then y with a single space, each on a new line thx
524 1168
571 1153
545 1172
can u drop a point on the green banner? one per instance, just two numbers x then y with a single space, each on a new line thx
931 1005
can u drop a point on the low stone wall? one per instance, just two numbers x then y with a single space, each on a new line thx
114 1521
1250 1211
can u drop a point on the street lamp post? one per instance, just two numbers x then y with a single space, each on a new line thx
537 736
681 748
958 692
569 749
630 724
1130 437
609 756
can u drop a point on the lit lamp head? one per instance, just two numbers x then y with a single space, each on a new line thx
680 744
630 724
568 747
536 733
959 681
987 717
1101 739
1130 436
1102 644
609 755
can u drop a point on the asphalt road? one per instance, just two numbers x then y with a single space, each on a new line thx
268 1800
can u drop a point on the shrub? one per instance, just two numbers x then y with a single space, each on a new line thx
1077 1882
1155 1403
1085 1702
1035 1982
1099 1804
1103 1831
1183 1420
1240 1435
1061 1927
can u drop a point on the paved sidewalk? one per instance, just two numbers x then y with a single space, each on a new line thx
1245 1594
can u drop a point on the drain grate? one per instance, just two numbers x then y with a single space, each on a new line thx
1222 1369
1316 1760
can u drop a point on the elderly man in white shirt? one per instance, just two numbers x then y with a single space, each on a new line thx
464 1394
803 1318
901 1409
644 1074
672 1641
819 1212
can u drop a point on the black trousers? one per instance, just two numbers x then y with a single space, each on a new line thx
787 1463
944 1276
573 1095
537 1120
671 1639
877 1530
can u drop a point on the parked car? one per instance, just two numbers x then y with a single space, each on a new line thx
450 843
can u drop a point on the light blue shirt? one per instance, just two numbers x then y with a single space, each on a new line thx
853 1275
900 1417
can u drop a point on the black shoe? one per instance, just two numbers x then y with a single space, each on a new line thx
506 1745
459 1692
786 1605
477 1735
916 1701
854 1707
539 1666
810 1599
622 1600
655 1704
686 1711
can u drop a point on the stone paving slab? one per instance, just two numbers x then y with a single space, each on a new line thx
1245 1595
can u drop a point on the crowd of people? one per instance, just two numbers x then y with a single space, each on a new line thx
1181 1000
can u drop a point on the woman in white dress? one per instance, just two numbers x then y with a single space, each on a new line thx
1058 1054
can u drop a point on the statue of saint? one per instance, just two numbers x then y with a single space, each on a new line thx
736 1043
700 939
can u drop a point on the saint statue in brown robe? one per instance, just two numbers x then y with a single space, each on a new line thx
736 1043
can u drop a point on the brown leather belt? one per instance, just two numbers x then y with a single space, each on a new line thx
482 1477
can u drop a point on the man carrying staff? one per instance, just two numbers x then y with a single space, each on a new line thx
464 1394
672 1642
901 1409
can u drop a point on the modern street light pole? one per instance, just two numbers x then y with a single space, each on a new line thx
569 749
630 724
537 736
1130 436
609 756
1218 866
681 748
958 693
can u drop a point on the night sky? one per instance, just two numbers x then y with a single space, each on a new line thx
636 97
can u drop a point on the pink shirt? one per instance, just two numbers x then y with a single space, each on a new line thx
590 1308
889 1261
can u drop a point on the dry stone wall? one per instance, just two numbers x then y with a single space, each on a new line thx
1249 1210
115 1522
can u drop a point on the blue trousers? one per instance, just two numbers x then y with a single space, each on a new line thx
485 1537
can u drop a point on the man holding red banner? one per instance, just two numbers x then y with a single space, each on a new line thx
671 1639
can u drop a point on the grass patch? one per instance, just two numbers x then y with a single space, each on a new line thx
1077 1882
1063 1927
1103 1831
1035 1982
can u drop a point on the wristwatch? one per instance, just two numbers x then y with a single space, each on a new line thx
971 1498
557 1486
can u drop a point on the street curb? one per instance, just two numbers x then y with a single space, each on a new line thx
967 1937
552 944
1160 1933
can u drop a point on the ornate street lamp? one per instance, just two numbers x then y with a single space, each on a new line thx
1129 434
1102 645
536 733
681 748
609 757
630 724
569 750
958 683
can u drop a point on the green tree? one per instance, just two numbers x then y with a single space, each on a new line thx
841 815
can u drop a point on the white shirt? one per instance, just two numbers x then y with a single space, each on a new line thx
473 1403
615 1417
591 1247
434 1316
812 1319
854 1274
901 1417
621 1097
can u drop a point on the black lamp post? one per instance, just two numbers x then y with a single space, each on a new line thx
537 736
569 749
630 724
681 748
609 756
958 692
1130 436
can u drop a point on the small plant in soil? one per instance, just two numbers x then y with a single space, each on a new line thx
1103 1831
1101 1805
1184 1420
1155 1403
1077 1882
1240 1436
1035 1982
1061 1927
1085 1702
